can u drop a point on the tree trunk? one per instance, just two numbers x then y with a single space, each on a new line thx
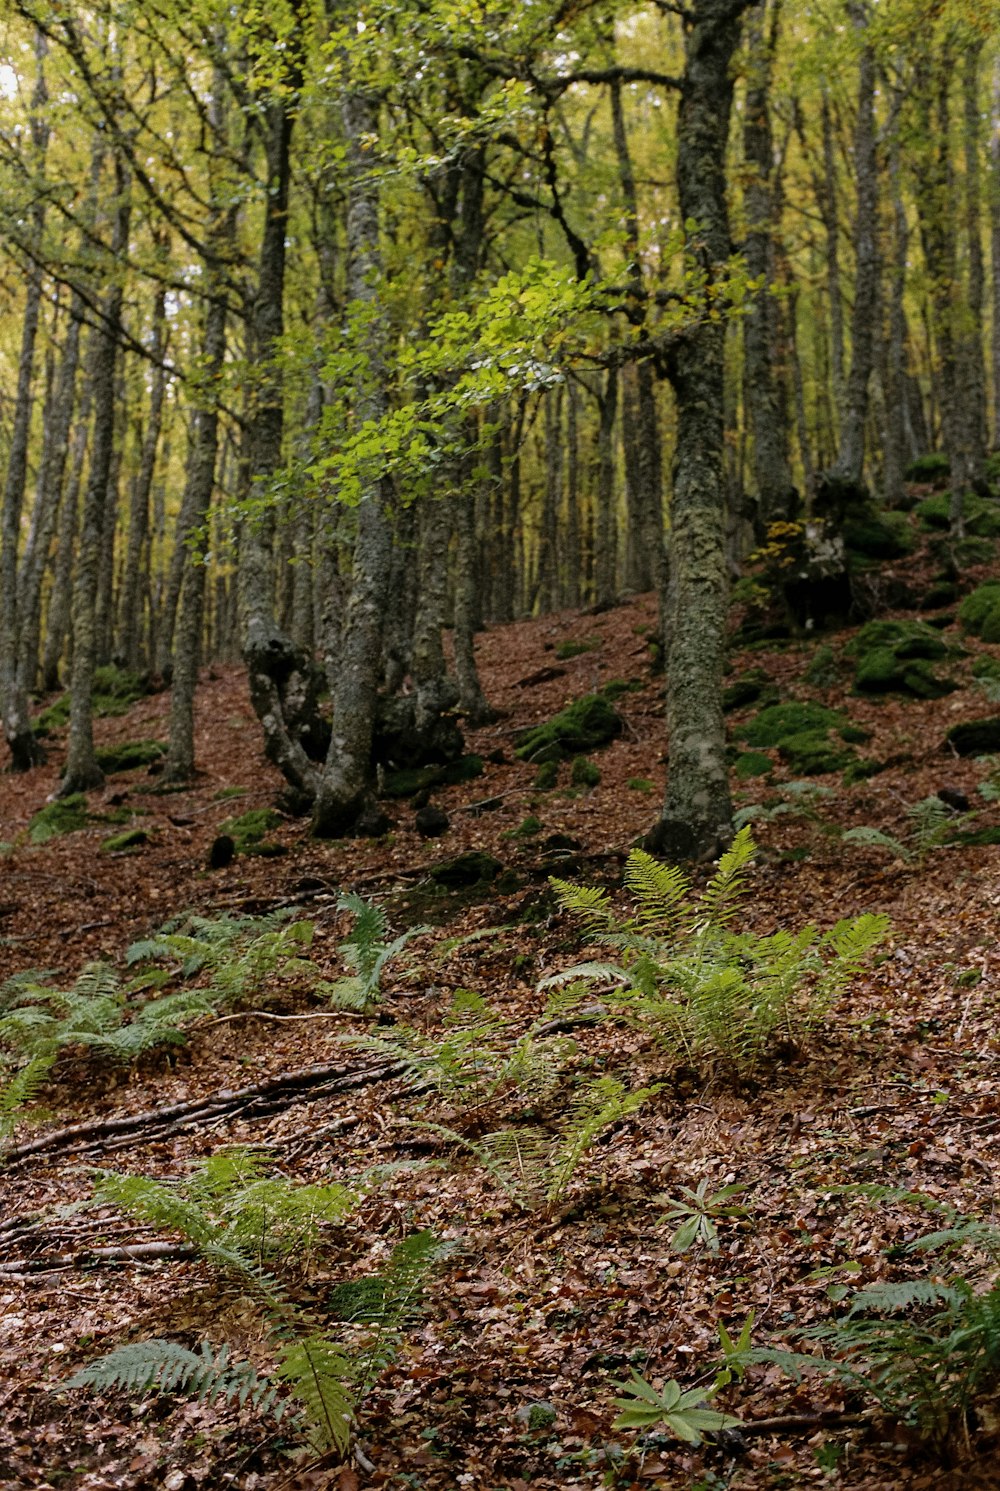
130 640
25 751
973 406
697 812
345 788
82 771
995 249
765 390
606 524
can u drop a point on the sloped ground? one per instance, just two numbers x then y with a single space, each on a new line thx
538 1308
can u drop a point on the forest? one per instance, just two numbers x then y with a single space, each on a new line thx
500 780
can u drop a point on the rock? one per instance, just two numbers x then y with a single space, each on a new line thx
473 868
222 852
953 797
979 613
431 822
561 841
896 657
585 725
975 737
371 823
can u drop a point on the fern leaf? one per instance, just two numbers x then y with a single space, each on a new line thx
587 971
588 902
892 1299
318 1373
661 891
22 1089
728 884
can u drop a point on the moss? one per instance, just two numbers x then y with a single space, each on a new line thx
975 737
876 535
546 776
617 687
526 829
941 593
250 830
641 784
224 793
779 721
566 650
895 657
860 771
585 773
474 868
64 816
752 764
409 780
750 688
980 610
812 753
822 670
130 755
132 838
115 691
981 516
986 667
585 725
932 467
854 734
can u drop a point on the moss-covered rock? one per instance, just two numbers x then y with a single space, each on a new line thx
822 670
941 593
408 781
570 649
877 535
465 870
934 467
896 657
981 517
615 688
975 737
585 773
987 667
130 755
812 753
860 771
132 838
979 613
753 687
64 816
115 691
751 764
779 721
546 776
583 726
249 832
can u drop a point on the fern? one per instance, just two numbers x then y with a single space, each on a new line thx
703 990
317 1371
241 955
873 838
384 1305
22 1088
366 953
206 1374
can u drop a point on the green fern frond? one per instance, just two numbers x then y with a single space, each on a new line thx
592 971
588 902
723 892
661 891
22 1089
317 1372
892 1299
874 838
207 1374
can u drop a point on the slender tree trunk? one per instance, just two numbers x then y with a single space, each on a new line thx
848 470
697 812
974 372
345 788
606 525
548 536
25 751
130 643
573 567
765 390
894 440
995 249
82 771
831 223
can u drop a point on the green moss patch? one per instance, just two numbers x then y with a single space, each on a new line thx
585 773
570 649
408 781
225 793
132 838
780 721
465 870
584 726
979 613
980 516
130 755
115 691
934 467
987 667
812 753
66 815
641 784
896 657
751 764
615 688
875 535
250 830
546 776
753 687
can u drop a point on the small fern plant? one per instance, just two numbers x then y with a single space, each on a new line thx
931 823
708 993
240 956
238 1216
366 951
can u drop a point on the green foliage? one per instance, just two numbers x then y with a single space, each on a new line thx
800 800
932 825
21 1089
980 517
241 955
682 1414
697 1212
584 773
895 657
249 830
130 755
979 613
132 838
583 726
546 776
933 467
66 815
318 1373
822 670
569 649
207 1374
750 764
704 991
367 953
643 785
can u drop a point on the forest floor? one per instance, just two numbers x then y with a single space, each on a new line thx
536 1315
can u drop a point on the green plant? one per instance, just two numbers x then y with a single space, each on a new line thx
697 1211
800 800
584 773
932 822
236 1214
242 955
704 991
683 1414
366 953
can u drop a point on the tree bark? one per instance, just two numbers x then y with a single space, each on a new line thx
697 813
606 525
130 637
